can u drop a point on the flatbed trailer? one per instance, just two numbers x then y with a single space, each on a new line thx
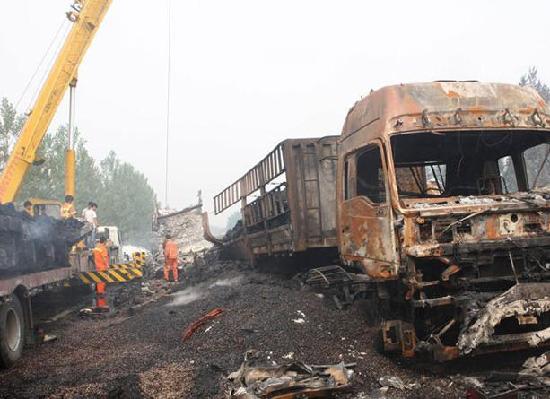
16 320
34 280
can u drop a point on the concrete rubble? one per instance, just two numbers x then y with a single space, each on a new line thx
186 228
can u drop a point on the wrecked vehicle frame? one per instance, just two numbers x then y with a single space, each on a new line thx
439 199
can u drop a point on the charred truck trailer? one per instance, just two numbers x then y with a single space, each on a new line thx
437 197
35 254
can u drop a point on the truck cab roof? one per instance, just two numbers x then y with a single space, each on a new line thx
445 105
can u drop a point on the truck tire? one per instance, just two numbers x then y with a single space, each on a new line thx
12 330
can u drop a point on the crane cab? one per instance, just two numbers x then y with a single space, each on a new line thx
46 207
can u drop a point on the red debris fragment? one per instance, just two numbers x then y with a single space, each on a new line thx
199 322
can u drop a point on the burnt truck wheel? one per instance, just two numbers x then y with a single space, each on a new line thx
12 328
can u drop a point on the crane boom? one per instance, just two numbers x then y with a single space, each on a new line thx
87 16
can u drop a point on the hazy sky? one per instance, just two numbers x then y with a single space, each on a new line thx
247 74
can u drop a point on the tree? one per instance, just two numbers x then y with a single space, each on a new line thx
10 126
47 180
537 158
127 199
531 79
89 182
123 194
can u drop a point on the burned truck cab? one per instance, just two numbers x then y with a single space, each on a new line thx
443 200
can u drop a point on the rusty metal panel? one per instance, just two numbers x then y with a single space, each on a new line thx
367 236
266 170
296 192
304 206
311 177
327 188
311 190
408 107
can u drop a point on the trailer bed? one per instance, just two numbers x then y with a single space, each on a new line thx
34 280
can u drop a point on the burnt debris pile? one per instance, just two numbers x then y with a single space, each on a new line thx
35 244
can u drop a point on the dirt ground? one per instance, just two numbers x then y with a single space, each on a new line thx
138 352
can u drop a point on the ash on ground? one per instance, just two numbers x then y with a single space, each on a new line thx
139 352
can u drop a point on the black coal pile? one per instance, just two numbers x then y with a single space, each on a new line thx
34 244
187 343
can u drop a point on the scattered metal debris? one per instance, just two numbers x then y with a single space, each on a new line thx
344 287
199 322
516 389
291 380
393 382
301 319
524 303
49 338
532 381
538 367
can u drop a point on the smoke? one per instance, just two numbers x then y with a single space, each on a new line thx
193 294
186 296
229 282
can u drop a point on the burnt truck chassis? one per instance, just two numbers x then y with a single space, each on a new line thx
454 276
470 299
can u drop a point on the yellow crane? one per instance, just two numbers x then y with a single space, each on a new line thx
86 16
21 273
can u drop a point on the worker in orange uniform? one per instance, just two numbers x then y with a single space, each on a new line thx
101 261
68 210
171 252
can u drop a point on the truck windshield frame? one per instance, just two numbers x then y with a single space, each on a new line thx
433 164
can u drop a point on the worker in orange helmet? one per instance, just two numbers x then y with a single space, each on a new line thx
101 260
171 252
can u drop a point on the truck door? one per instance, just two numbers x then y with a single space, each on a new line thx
366 233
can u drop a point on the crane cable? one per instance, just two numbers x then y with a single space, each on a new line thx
47 70
168 101
47 53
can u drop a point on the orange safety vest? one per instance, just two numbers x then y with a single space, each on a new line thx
171 250
101 257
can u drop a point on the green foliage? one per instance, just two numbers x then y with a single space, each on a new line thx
126 198
123 194
10 125
531 79
537 158
47 180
